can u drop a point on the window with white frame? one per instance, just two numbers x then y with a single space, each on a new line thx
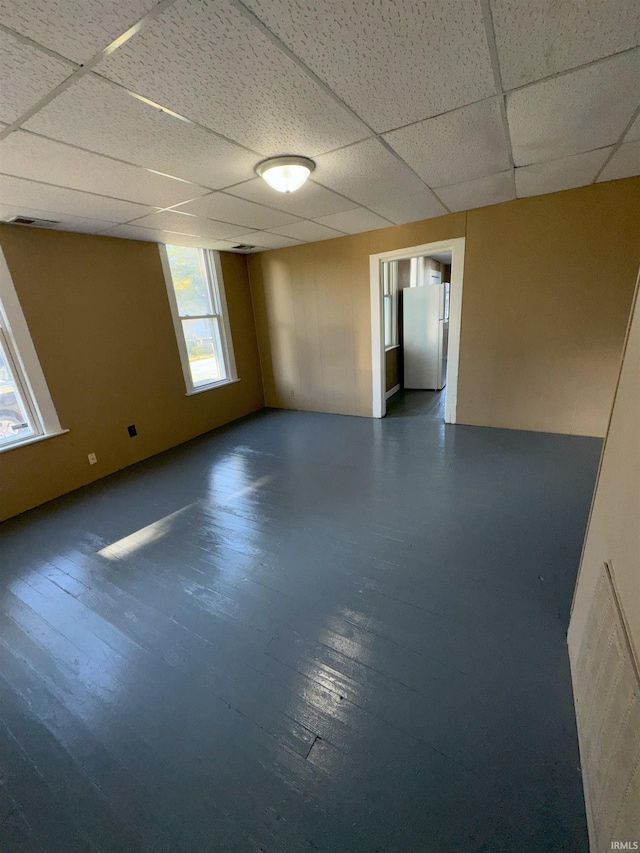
17 418
198 304
26 408
390 303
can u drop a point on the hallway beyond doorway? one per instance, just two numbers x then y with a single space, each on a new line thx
417 404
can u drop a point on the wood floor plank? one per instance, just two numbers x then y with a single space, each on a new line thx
15 832
300 632
54 828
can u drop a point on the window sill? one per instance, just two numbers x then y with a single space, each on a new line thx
34 440
211 387
393 346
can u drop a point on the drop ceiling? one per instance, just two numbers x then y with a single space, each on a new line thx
144 120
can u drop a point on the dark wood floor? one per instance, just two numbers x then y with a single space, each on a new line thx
302 632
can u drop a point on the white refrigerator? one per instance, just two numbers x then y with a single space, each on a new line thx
425 336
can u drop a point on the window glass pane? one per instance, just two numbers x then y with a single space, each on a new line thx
14 420
189 281
202 338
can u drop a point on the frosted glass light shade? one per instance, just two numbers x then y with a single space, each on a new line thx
285 174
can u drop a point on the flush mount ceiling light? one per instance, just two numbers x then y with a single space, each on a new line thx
285 174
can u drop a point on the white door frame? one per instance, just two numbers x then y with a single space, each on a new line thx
456 247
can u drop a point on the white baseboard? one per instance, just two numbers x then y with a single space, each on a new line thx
392 391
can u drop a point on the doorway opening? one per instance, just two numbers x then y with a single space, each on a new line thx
416 309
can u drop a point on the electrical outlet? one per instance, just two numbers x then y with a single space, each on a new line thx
132 430
92 459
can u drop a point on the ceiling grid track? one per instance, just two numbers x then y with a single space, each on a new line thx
174 207
487 18
179 116
85 68
88 67
580 67
32 43
505 72
275 40
618 144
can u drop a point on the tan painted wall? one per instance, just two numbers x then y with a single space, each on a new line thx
99 317
313 316
613 535
542 325
544 317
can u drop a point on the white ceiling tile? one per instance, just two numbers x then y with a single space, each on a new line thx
265 240
410 206
354 221
77 29
308 232
434 53
564 174
103 117
27 75
182 223
634 131
202 58
209 63
625 163
29 156
309 202
480 192
537 38
171 238
455 147
228 208
576 112
34 195
63 222
372 176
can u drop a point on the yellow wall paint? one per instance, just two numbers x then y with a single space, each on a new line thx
543 320
544 314
313 316
99 316
542 328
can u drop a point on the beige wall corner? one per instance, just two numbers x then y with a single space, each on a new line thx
604 633
547 288
312 305
99 317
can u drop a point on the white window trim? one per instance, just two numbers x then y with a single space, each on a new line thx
214 270
391 271
24 353
33 439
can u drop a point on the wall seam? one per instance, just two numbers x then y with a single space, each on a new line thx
255 327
